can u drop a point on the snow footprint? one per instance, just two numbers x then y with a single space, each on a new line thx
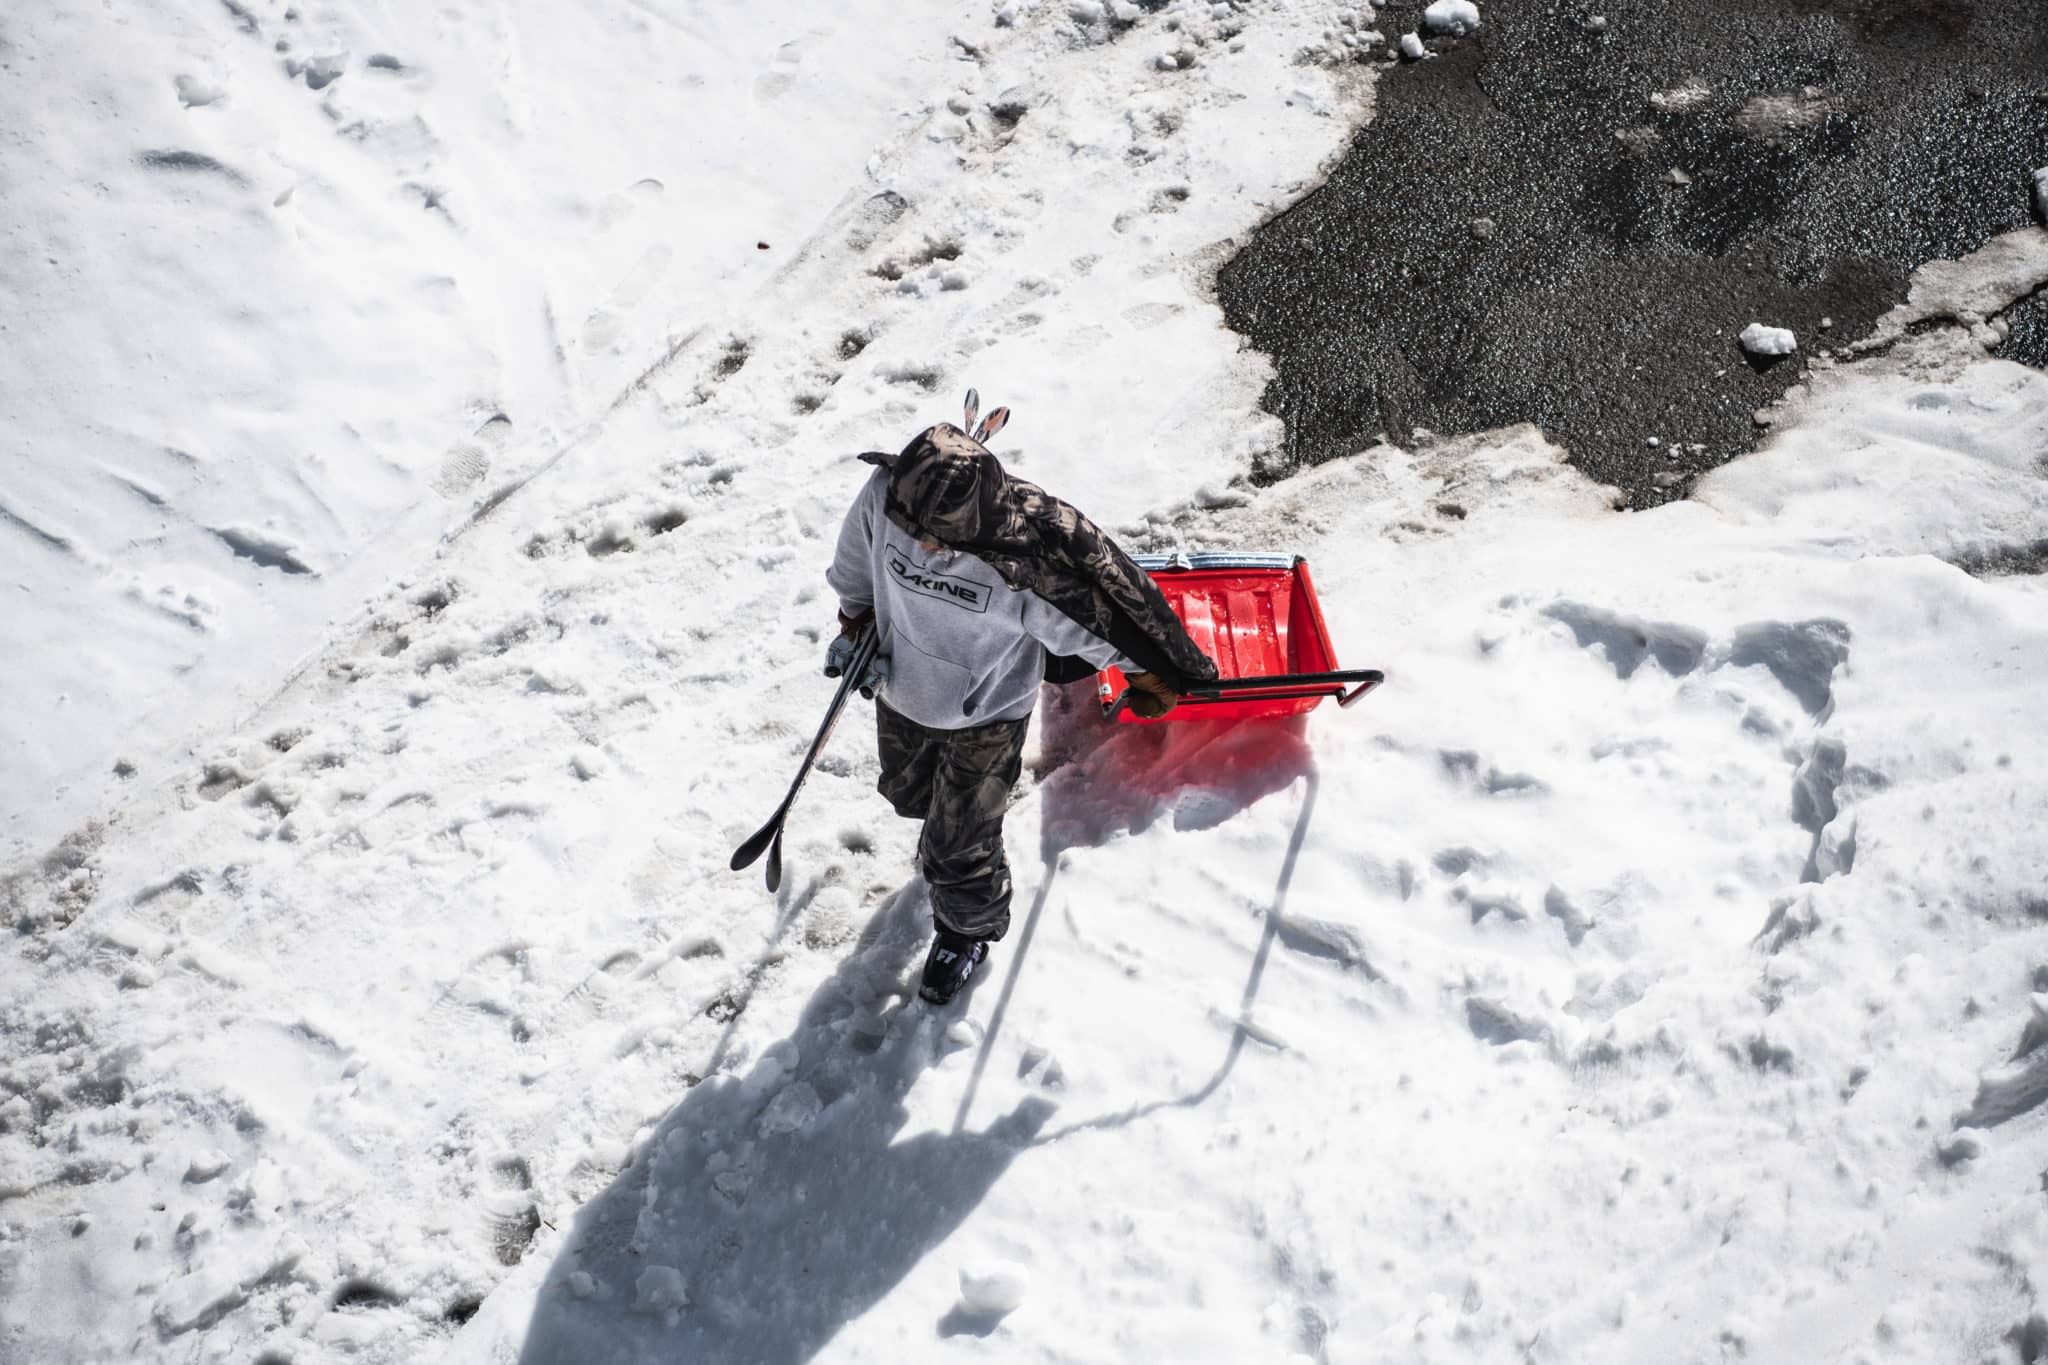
620 206
602 328
467 461
511 1217
780 77
491 983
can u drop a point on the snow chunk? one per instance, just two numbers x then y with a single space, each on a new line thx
203 1296
963 1033
1455 17
1494 1022
778 1062
194 93
792 1110
1681 99
993 1286
581 1284
198 1299
206 1165
661 1289
1412 48
1777 119
321 71
1759 339
2041 195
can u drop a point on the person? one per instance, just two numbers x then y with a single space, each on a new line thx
983 585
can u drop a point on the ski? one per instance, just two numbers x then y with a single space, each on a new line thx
768 838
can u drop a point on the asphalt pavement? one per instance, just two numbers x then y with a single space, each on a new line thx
1569 216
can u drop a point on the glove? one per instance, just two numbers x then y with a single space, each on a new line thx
1149 696
839 654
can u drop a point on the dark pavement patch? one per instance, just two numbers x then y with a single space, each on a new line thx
2027 338
1569 223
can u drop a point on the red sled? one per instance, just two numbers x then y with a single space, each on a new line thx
1257 616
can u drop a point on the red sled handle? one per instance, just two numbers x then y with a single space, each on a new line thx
1270 687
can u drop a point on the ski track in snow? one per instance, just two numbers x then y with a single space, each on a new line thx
1645 973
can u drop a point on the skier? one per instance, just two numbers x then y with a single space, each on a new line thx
982 585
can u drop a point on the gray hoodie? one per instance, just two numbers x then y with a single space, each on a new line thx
964 647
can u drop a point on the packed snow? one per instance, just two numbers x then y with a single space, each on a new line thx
1651 970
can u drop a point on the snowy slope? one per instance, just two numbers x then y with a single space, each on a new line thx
1639 976
293 288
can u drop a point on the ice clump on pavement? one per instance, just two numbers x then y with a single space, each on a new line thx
1759 339
1681 99
1412 48
2041 194
1455 17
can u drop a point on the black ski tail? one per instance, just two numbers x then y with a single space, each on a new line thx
768 838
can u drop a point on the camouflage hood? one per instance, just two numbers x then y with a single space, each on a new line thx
946 487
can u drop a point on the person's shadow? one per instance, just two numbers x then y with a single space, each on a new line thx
765 1212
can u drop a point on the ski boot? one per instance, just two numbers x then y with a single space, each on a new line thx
948 966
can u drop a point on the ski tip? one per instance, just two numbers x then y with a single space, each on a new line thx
992 424
972 409
756 844
775 864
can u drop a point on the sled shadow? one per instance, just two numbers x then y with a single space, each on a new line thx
781 1201
1100 779
1242 1028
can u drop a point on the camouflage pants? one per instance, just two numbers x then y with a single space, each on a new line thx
958 782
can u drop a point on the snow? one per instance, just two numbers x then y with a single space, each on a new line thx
1652 968
1681 99
1412 48
993 1287
1454 17
372 269
1972 290
660 1290
1761 339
